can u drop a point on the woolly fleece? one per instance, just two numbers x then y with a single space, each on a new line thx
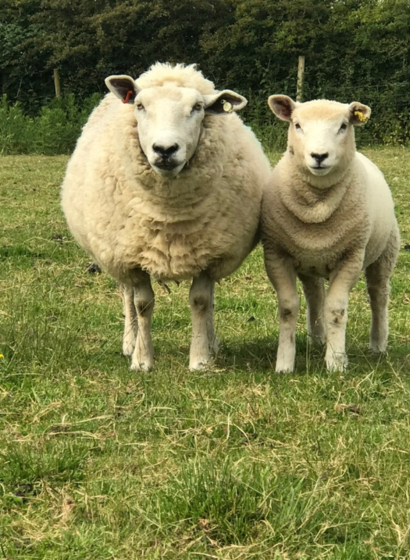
126 216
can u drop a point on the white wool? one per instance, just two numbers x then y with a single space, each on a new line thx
128 217
184 76
327 221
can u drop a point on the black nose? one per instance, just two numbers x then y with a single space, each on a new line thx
319 157
165 152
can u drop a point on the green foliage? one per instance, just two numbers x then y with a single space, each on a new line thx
54 131
16 129
251 46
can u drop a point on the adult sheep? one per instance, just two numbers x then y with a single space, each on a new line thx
166 181
327 213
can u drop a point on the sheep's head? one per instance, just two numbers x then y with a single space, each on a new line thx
321 135
170 119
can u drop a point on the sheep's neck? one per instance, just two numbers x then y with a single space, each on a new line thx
309 203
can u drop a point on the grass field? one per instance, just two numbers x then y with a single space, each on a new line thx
99 462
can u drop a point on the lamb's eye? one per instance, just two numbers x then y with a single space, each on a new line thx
196 107
139 106
297 126
343 127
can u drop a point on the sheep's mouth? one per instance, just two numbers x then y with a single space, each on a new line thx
167 168
320 169
167 164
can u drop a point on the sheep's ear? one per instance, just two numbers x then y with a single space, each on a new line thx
282 106
359 113
225 101
123 87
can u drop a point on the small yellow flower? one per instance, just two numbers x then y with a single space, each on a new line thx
1 356
360 116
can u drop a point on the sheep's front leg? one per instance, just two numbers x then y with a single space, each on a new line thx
130 321
314 290
204 344
143 354
283 277
341 282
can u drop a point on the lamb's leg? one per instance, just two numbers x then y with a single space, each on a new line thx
204 344
314 290
283 277
341 282
143 355
130 321
378 287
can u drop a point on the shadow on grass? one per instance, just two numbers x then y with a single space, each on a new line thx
260 356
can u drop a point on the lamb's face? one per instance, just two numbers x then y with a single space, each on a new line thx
170 119
321 135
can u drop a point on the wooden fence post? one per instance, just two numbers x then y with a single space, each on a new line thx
57 87
301 72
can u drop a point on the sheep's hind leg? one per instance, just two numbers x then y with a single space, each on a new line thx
378 287
204 344
314 290
130 321
143 355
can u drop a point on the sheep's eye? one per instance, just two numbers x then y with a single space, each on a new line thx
197 107
139 106
343 127
297 126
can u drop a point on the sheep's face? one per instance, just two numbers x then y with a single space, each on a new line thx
170 119
169 126
321 134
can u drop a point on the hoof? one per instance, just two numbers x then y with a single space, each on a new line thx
336 364
285 364
201 365
141 366
284 370
378 347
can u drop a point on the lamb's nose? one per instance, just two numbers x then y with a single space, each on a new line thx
319 157
165 152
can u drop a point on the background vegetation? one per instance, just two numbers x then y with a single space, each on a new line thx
354 49
235 463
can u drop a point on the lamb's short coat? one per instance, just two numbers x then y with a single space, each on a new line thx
327 212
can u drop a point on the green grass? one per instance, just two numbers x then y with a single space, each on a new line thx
99 462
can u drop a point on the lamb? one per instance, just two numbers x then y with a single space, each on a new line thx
166 182
327 213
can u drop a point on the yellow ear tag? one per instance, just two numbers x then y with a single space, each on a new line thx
227 107
360 116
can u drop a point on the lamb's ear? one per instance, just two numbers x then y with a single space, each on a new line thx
225 101
123 87
359 113
282 106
